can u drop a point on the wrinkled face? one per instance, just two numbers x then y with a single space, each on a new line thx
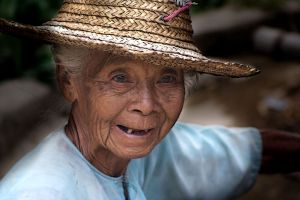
127 106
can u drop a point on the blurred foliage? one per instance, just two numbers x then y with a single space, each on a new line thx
26 58
29 11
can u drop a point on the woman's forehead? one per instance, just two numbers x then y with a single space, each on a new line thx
119 60
111 61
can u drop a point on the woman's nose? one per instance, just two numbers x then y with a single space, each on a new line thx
145 101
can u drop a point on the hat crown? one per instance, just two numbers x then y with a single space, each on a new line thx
128 19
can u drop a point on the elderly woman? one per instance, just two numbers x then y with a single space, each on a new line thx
124 66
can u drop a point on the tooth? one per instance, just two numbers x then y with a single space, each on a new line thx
129 131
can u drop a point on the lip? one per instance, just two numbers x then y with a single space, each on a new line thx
134 131
132 137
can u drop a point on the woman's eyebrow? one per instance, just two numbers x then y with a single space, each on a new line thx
117 70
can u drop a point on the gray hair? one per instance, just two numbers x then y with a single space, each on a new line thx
74 58
71 58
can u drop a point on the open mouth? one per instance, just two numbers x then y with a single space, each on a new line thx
133 131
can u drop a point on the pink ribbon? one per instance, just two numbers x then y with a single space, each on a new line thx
177 12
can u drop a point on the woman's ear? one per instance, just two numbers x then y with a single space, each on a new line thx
65 83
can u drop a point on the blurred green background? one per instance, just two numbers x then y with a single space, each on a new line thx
26 58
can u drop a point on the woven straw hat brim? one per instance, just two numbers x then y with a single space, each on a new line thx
175 53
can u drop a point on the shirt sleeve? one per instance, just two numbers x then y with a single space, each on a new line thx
203 162
47 194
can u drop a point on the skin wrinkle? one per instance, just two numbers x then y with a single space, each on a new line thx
143 101
106 155
86 141
72 132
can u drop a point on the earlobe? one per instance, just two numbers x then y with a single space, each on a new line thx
65 83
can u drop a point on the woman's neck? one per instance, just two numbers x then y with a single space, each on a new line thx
98 156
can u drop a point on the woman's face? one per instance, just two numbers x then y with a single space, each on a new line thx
126 107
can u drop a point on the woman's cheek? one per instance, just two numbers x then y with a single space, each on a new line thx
174 104
172 96
114 88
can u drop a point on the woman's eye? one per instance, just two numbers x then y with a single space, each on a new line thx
168 79
120 78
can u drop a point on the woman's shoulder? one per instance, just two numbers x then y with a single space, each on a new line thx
213 132
187 140
49 167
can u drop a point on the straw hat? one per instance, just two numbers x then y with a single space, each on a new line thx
137 28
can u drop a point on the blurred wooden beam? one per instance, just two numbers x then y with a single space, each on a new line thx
227 30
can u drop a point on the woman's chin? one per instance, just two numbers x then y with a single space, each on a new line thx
129 154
